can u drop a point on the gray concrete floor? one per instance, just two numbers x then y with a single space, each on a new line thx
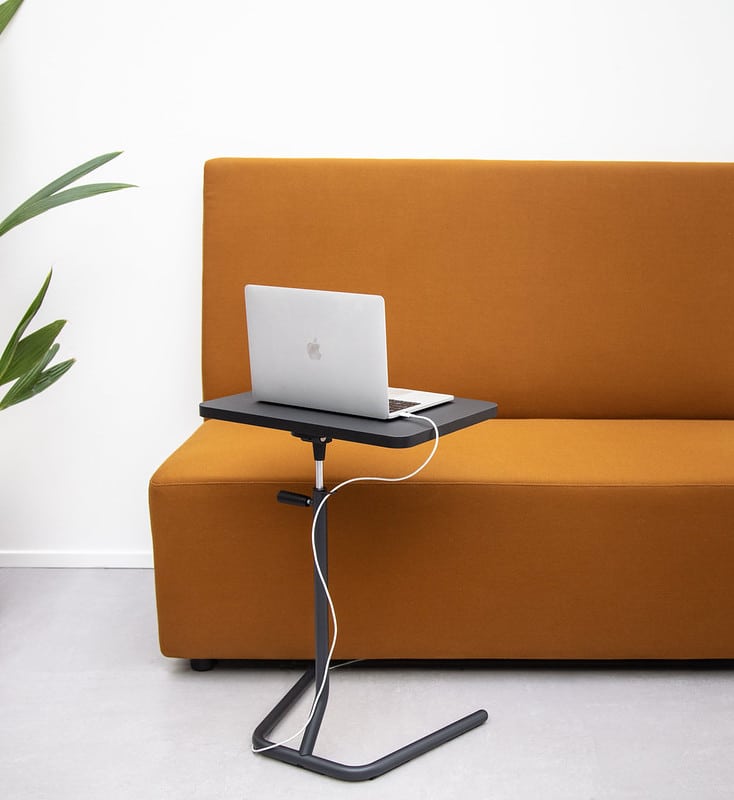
90 709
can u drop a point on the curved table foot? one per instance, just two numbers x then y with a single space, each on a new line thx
347 772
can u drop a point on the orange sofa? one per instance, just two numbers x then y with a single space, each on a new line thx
594 519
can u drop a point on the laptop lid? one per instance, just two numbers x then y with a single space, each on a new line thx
318 349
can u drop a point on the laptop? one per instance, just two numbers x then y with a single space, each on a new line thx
324 350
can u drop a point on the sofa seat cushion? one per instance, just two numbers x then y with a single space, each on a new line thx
573 539
530 451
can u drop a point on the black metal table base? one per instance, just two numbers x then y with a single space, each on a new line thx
304 757
348 772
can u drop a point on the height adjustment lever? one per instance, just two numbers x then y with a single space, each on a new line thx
294 499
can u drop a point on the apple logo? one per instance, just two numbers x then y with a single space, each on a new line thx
314 350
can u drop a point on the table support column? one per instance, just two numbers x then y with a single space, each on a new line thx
321 621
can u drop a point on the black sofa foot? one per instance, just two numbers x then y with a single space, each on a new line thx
203 664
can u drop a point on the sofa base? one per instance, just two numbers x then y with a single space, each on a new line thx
203 664
553 539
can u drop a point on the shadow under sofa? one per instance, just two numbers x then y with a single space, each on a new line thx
593 520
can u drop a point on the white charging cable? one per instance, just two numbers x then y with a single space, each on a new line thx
332 610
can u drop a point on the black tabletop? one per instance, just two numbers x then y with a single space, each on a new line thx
449 417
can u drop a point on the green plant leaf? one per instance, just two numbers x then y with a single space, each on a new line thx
73 175
31 349
25 382
9 353
6 12
28 210
36 380
51 375
50 196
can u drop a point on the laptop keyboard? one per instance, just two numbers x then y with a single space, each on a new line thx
399 405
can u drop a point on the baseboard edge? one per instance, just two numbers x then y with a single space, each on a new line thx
100 559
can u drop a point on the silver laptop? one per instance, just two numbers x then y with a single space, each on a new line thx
324 350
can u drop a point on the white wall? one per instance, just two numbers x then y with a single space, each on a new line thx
175 83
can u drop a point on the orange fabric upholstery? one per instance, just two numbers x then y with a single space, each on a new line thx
586 290
593 519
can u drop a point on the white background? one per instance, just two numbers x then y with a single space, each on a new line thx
175 83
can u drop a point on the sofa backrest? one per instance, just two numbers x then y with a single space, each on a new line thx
556 289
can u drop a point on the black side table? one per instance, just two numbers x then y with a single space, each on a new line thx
319 428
